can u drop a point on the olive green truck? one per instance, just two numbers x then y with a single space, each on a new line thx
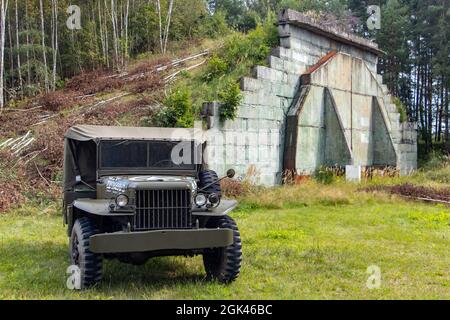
137 193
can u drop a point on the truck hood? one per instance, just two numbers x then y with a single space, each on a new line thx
122 183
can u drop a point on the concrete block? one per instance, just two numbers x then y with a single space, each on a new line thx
323 43
292 79
396 133
304 58
380 79
287 66
269 74
287 91
284 30
353 173
268 179
302 35
405 148
387 98
276 63
394 117
261 98
253 154
411 126
391 108
285 42
282 53
232 125
252 84
248 111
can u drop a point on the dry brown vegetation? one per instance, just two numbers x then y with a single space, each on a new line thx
98 97
233 188
416 192
19 180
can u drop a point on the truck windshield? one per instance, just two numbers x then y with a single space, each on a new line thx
144 154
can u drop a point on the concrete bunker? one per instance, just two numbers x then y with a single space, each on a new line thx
319 102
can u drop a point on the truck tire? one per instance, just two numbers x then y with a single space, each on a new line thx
207 178
224 264
90 264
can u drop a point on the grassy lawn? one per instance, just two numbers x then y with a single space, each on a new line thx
312 250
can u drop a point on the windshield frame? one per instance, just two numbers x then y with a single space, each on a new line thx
108 171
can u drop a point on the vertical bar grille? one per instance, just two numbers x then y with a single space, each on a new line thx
162 209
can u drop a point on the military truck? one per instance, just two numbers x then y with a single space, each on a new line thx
137 193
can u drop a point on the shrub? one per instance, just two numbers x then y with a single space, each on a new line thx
252 48
439 175
177 110
216 67
437 167
231 98
324 175
436 160
401 108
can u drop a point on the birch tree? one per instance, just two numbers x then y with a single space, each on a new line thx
44 54
164 33
102 38
18 47
54 40
168 21
115 34
127 9
158 9
27 39
3 10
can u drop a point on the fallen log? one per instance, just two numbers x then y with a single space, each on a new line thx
173 63
89 108
426 199
173 75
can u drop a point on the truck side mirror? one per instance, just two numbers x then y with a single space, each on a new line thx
231 173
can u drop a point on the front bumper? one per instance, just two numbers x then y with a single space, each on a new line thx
123 242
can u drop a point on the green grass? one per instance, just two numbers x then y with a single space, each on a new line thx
312 250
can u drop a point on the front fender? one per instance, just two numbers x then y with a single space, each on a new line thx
223 209
98 207
93 206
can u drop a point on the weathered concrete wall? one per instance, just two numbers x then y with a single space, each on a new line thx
252 141
337 147
352 87
346 127
308 41
383 148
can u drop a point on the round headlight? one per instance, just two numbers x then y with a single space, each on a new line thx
213 198
121 200
200 200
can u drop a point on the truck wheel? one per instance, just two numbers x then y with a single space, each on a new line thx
90 264
224 264
206 178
